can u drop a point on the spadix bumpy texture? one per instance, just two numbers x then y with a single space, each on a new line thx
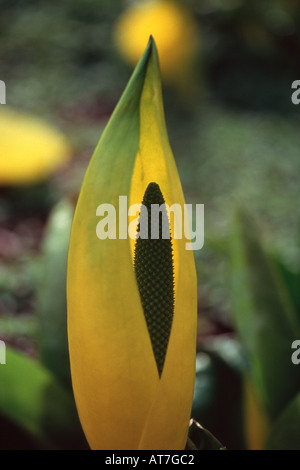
153 265
130 392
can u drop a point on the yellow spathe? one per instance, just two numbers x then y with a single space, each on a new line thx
173 27
30 150
121 400
257 425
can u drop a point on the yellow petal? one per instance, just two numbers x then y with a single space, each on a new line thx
122 401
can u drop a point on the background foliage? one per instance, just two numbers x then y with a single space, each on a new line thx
235 136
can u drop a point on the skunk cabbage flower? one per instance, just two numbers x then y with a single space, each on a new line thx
30 150
175 31
132 301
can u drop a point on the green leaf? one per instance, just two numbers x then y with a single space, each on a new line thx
218 393
285 434
264 317
51 292
32 400
201 439
292 282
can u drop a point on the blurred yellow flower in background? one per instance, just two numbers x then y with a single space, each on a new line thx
175 32
30 150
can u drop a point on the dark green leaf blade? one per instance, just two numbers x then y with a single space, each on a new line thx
201 439
32 399
285 434
264 317
51 292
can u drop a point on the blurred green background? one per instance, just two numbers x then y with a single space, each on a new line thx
235 137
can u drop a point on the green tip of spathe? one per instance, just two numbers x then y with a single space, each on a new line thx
148 61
